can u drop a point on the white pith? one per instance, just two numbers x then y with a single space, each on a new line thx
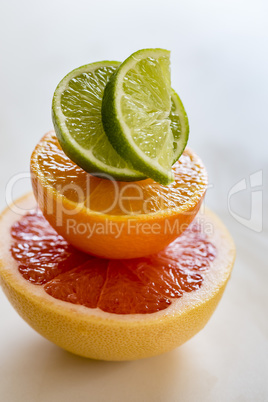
214 278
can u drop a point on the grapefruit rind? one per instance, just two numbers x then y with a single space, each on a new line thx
96 334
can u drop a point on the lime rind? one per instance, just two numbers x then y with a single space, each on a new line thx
76 117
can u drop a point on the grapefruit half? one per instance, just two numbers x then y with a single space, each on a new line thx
112 309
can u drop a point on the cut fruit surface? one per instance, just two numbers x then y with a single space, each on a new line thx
143 117
135 286
113 310
115 219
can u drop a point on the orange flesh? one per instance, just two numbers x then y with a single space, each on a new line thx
135 286
122 198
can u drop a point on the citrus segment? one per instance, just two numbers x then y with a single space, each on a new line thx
125 293
81 285
115 219
182 303
41 253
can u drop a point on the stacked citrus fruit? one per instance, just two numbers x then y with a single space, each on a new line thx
117 262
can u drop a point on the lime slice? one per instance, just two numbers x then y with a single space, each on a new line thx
76 114
179 125
137 114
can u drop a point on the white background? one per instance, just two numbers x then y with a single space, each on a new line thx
219 68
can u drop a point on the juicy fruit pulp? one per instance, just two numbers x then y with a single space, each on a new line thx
138 286
57 171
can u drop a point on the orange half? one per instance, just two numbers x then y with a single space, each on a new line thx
112 219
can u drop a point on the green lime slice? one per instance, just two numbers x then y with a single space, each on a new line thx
76 114
143 117
179 125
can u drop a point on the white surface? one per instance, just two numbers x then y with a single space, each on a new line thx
219 67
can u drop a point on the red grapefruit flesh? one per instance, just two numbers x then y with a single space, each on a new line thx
138 286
